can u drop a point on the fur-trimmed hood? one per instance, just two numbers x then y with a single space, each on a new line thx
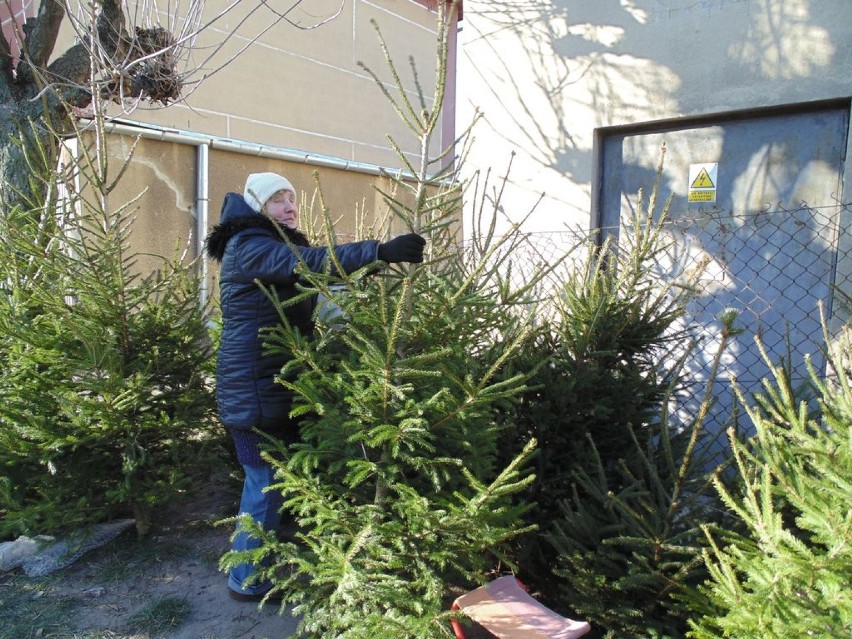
238 216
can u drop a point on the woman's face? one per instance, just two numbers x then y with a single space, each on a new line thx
281 207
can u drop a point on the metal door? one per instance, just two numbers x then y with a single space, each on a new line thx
766 223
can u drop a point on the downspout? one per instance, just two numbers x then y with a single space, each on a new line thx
202 199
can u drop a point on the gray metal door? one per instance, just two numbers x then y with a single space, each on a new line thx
764 215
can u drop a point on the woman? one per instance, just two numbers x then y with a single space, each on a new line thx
255 241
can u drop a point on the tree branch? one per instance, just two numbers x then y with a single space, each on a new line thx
112 34
70 76
70 73
5 62
44 30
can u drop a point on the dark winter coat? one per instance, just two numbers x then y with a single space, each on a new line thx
252 249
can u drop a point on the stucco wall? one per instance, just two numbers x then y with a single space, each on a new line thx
293 86
159 187
550 75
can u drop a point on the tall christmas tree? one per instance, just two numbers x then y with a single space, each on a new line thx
394 485
620 486
104 392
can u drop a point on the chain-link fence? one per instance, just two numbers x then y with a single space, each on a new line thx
781 269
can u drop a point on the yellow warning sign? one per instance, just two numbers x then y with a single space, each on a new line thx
702 196
702 180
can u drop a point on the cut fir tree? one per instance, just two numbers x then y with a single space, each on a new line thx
395 486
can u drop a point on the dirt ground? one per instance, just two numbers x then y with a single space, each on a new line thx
165 586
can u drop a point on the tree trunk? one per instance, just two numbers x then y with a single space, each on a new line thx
28 153
37 97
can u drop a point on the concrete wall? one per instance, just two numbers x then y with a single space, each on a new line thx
551 76
287 78
583 92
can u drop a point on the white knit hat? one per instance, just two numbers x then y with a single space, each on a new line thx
262 186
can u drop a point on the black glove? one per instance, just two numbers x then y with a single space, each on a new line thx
405 248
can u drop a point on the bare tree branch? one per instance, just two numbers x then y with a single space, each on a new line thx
6 62
69 76
319 23
41 39
112 34
125 53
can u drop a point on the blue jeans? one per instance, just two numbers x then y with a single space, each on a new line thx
265 509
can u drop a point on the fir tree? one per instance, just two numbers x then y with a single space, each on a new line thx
785 568
600 361
103 388
395 485
618 491
629 538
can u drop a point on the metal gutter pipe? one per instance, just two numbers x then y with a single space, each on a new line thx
202 200
150 132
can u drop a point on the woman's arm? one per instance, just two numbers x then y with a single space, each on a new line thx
260 256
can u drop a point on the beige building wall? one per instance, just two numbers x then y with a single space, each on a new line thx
296 81
159 189
550 76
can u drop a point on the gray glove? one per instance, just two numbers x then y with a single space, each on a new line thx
405 248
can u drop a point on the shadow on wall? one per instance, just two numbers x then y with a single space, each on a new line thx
555 72
773 238
558 70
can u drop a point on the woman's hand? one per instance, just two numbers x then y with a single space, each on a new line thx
405 248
